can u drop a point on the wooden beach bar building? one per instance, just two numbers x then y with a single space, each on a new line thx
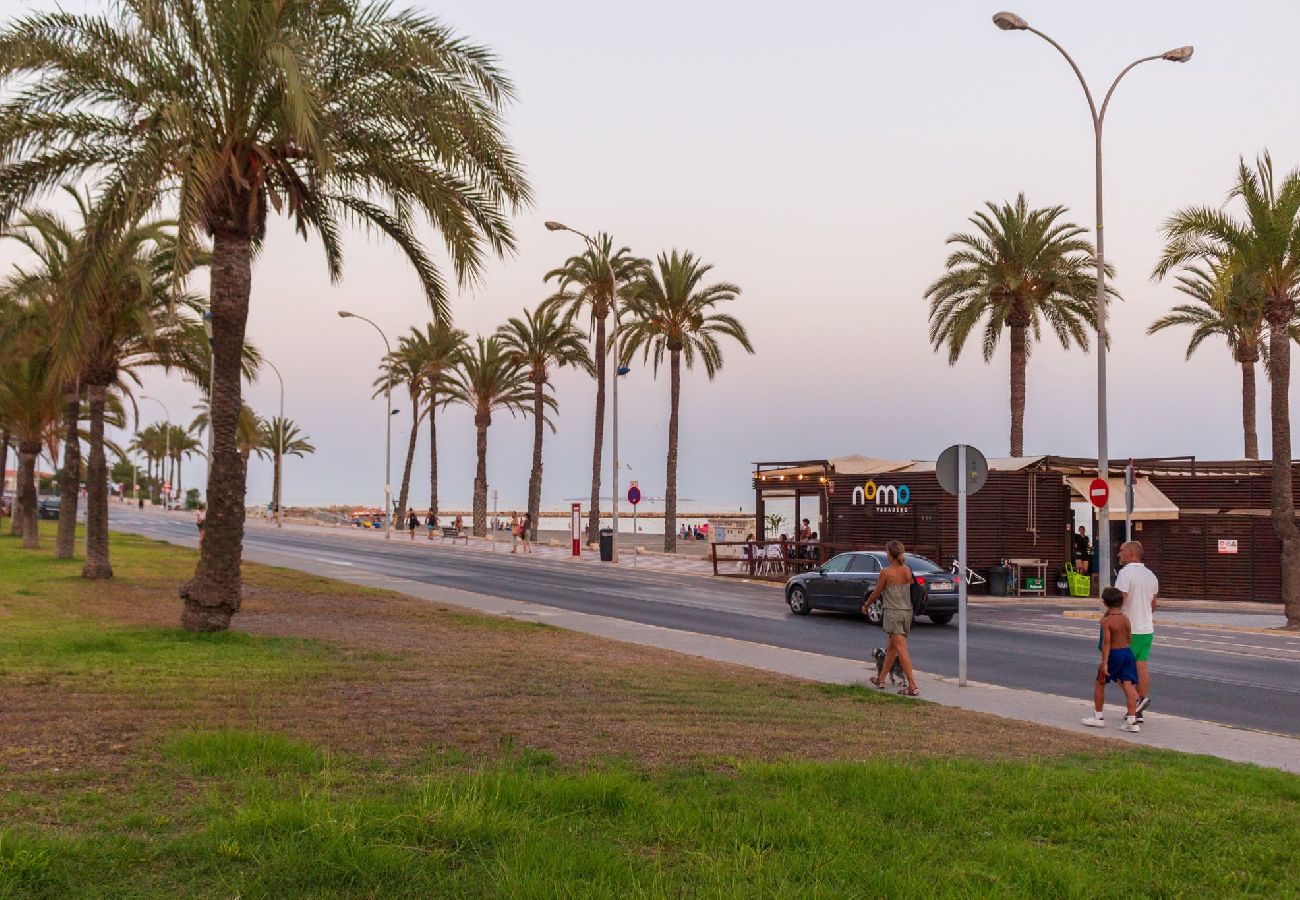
1205 525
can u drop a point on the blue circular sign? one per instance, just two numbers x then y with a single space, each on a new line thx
634 495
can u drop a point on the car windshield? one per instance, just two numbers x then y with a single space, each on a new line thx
921 564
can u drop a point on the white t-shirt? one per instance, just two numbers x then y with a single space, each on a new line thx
1140 587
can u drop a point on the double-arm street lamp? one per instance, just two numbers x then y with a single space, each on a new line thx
279 451
388 427
167 437
613 302
1011 22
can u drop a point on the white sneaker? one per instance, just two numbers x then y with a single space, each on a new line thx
1130 725
1094 722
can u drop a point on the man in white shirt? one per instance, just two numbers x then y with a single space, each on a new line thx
1140 587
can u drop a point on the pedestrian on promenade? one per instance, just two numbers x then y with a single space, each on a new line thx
1118 663
526 533
459 523
1140 587
514 531
895 584
430 523
412 522
1081 553
200 518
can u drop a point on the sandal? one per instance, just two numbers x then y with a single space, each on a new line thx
879 684
908 692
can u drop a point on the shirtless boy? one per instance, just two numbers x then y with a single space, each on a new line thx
1118 663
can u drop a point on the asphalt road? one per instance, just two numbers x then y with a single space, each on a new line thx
1241 679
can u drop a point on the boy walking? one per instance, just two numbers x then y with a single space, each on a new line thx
1117 662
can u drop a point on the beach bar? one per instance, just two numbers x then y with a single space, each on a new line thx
1205 524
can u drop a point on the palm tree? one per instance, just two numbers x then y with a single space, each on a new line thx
671 311
488 378
325 112
1019 269
584 283
404 367
543 341
182 443
1232 307
282 438
439 346
1263 247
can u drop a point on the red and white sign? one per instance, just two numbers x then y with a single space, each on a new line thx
575 528
1098 492
1227 546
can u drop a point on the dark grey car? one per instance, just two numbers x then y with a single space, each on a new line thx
845 581
48 507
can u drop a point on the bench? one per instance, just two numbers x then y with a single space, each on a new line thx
454 534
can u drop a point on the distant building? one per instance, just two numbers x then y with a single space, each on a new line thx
11 479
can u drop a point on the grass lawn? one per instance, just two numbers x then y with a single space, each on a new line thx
351 742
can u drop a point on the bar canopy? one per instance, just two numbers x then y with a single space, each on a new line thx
1149 502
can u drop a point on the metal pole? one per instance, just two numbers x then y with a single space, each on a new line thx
634 534
1128 501
961 564
388 428
279 451
495 516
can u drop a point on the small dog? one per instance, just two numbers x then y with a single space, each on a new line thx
896 675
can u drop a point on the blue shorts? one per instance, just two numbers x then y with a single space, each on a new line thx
1121 665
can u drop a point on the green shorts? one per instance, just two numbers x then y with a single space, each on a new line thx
1142 646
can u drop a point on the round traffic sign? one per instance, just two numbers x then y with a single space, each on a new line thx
1098 492
949 474
634 495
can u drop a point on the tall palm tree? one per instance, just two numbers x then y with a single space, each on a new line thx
282 438
1231 307
1020 269
439 346
488 378
324 112
403 367
671 311
543 341
31 393
183 443
584 282
1264 247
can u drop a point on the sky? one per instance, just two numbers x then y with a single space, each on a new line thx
817 155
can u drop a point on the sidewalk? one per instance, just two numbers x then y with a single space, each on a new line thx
1167 732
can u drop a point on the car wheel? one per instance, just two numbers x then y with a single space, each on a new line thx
876 612
798 600
941 620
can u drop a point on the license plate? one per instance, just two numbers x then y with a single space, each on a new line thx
941 586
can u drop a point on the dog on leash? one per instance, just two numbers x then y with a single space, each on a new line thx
896 675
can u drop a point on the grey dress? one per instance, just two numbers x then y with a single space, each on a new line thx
896 603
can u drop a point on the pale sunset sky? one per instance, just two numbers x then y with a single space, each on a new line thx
817 154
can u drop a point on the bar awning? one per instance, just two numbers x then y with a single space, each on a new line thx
1149 502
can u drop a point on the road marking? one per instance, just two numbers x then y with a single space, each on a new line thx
332 562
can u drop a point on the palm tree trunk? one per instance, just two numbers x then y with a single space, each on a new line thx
97 565
1019 362
212 596
70 479
275 476
1248 409
433 456
26 518
1279 364
535 479
480 477
598 445
670 480
4 468
410 460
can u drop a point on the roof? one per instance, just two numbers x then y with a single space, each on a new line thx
1149 502
866 465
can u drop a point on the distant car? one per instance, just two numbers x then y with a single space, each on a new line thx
47 508
7 505
844 582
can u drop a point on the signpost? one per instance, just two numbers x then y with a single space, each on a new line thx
1128 501
495 517
634 497
961 470
575 527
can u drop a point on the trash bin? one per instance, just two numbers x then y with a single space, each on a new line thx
607 545
999 581
1062 584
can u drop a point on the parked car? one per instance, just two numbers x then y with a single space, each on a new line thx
6 505
844 582
47 508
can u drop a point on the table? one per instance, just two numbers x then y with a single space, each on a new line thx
1036 568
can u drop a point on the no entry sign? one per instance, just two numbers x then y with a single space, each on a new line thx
1099 492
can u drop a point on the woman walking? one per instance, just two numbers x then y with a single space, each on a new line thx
895 583
514 532
525 532
412 522
430 523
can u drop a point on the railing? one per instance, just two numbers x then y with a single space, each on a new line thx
753 559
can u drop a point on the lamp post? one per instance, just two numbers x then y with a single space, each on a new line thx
279 450
613 302
1011 22
388 428
167 437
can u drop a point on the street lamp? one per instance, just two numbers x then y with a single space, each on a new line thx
613 301
279 451
1008 21
167 436
388 428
